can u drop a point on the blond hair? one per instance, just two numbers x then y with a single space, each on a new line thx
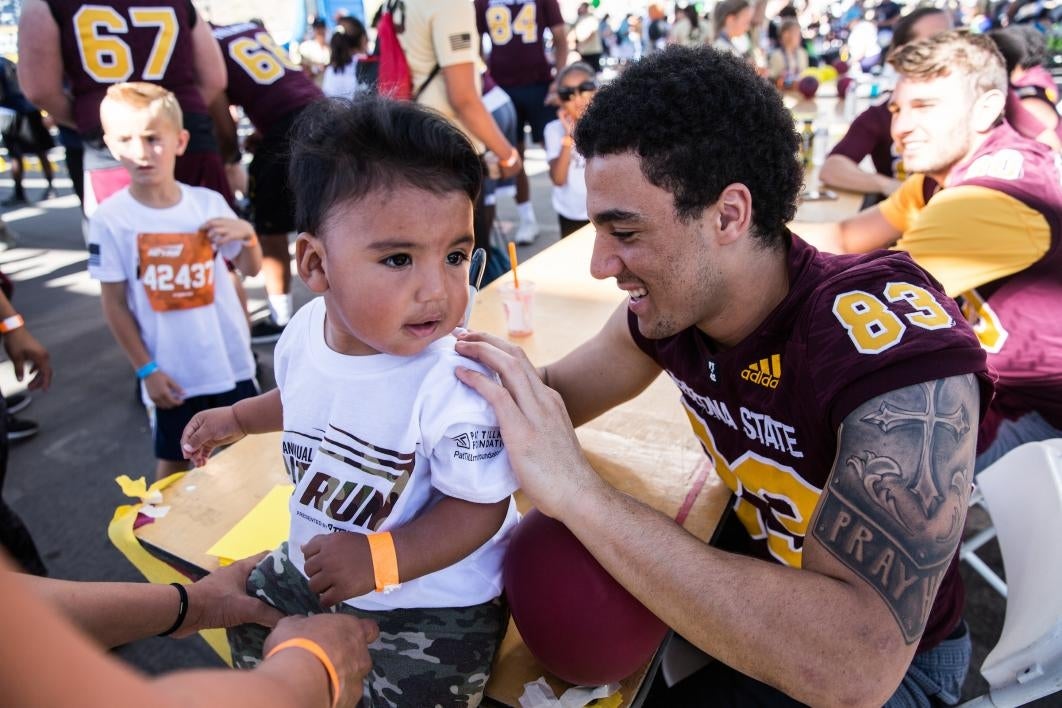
974 55
141 95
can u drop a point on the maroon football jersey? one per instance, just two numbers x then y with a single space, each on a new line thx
515 28
1017 317
869 135
126 41
767 410
1039 77
262 79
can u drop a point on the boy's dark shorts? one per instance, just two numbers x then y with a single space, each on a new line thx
531 109
267 180
170 422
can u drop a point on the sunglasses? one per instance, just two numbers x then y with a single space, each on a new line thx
565 93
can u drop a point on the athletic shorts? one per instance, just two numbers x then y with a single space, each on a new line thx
169 422
531 108
271 199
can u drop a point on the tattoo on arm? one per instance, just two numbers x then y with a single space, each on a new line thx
894 507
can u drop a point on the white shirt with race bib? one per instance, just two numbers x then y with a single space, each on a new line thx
371 442
204 349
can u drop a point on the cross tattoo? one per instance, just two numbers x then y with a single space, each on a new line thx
924 486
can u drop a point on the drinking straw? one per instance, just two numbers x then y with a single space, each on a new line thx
512 261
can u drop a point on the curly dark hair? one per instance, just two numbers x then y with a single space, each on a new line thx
343 150
700 120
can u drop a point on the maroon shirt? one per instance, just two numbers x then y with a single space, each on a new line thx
516 28
767 410
1026 305
869 135
1041 78
261 77
104 45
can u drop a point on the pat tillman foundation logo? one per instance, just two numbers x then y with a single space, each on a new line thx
765 372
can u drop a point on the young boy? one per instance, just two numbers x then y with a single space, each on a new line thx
576 85
157 248
402 502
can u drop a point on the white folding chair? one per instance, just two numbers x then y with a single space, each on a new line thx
968 551
1023 494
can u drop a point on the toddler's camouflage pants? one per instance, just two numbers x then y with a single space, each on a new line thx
439 656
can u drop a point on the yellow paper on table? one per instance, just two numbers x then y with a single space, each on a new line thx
264 528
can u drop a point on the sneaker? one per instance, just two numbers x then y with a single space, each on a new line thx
266 331
18 429
16 402
526 233
15 200
49 193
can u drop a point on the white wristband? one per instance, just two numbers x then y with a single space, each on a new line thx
10 323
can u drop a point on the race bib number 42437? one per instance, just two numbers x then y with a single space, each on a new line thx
176 270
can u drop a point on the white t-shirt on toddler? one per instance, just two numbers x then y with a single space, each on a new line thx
373 441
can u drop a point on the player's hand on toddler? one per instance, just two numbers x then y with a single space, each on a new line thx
222 230
542 446
339 566
344 638
207 430
163 391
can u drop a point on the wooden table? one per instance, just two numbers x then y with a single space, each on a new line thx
644 447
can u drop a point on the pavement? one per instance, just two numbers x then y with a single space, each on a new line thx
93 427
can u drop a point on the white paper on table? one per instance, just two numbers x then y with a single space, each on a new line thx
538 694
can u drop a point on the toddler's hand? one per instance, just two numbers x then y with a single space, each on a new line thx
208 430
222 230
164 392
339 566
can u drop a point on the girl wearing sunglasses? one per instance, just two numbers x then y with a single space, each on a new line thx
575 87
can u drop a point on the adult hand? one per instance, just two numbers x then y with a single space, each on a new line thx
339 566
23 347
221 600
345 640
208 430
544 452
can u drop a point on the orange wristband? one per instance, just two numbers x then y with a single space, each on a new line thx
511 160
384 561
315 649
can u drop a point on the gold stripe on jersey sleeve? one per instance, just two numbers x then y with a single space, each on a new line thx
902 207
969 236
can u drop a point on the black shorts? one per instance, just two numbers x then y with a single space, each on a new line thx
170 422
531 109
272 202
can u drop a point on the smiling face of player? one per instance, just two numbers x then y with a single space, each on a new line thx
393 269
669 267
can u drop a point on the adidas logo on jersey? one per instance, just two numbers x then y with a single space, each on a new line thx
764 372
